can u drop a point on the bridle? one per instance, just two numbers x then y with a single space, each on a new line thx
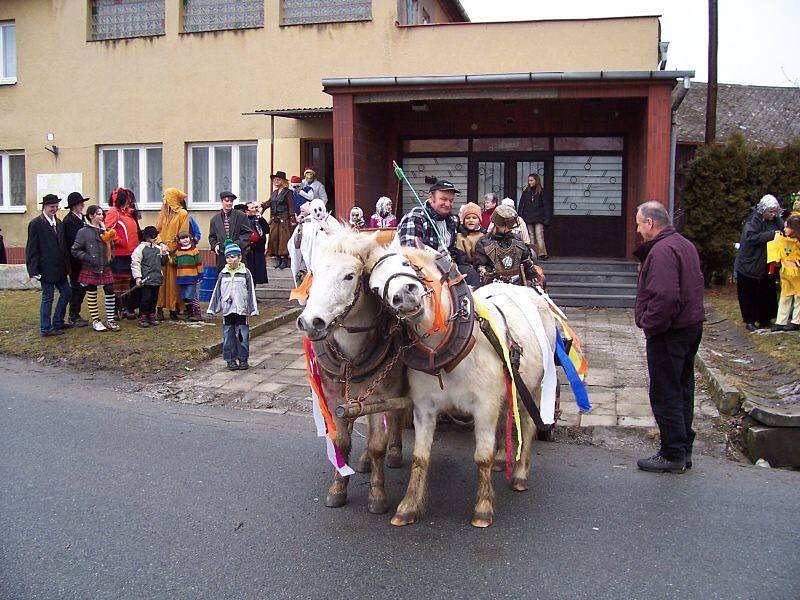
384 297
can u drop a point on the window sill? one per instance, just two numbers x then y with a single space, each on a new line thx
204 207
152 36
364 20
8 80
221 29
13 209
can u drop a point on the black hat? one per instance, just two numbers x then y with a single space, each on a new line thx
224 195
50 199
149 232
445 186
75 198
280 174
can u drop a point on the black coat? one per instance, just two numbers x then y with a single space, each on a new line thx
533 208
72 225
751 259
91 250
240 233
46 251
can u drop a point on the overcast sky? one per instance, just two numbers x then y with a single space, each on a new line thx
759 40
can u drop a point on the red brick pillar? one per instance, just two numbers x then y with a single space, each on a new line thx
659 122
343 153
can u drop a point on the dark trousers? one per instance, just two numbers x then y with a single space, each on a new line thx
148 295
47 319
235 338
758 298
77 294
670 363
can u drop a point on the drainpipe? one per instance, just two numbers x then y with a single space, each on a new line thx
678 94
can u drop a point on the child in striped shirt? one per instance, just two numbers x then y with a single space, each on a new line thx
190 270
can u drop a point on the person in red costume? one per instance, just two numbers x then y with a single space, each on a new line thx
123 218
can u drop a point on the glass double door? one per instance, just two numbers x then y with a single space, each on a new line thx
506 177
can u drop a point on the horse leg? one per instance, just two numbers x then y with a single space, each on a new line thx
337 493
522 468
410 509
485 432
376 447
394 455
499 464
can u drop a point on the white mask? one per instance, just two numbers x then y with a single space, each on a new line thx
317 209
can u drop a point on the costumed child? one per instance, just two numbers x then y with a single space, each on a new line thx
383 218
315 225
357 218
521 229
302 193
234 297
500 256
189 271
147 262
93 248
784 251
469 230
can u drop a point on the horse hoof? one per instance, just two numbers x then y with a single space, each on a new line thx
394 461
519 485
498 466
377 507
335 500
481 521
364 465
399 520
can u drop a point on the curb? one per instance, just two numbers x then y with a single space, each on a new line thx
726 396
214 350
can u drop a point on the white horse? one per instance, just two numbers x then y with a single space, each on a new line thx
476 386
340 308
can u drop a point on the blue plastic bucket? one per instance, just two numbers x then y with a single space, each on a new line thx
207 283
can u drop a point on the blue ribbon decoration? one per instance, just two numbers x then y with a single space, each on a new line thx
578 389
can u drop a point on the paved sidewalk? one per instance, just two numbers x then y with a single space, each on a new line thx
616 380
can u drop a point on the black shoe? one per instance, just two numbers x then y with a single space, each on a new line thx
779 328
243 366
174 315
65 325
791 326
543 257
78 322
659 464
232 366
53 332
751 327
689 459
160 314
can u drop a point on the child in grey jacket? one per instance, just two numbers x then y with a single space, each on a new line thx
147 261
234 297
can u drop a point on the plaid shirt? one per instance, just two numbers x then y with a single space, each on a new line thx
415 229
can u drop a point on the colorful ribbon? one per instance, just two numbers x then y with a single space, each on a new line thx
575 381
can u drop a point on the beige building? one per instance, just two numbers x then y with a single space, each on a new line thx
149 94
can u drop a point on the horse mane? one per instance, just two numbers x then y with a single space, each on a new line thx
351 242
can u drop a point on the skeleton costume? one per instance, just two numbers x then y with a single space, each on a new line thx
503 256
308 235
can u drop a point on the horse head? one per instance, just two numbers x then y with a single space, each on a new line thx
339 282
396 281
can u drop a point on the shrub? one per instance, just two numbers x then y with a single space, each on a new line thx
723 183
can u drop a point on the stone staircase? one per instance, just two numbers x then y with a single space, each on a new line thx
605 282
276 292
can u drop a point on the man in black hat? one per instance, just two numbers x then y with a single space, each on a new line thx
281 218
72 223
47 259
435 227
228 224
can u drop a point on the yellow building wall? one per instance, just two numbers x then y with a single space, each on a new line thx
181 88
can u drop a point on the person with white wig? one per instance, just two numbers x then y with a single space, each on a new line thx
383 218
758 297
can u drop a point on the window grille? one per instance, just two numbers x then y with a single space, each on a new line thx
116 19
587 186
214 15
302 12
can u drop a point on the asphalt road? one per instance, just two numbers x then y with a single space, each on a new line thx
106 495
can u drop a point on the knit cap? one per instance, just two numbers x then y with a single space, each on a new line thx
470 208
231 249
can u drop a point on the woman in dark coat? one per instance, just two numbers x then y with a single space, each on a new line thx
281 219
255 259
536 212
758 298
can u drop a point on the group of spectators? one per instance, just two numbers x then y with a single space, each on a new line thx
769 253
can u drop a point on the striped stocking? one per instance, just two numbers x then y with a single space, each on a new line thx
91 301
111 303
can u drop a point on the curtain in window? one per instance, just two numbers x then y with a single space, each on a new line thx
154 175
199 188
222 170
9 51
110 172
248 173
130 160
16 169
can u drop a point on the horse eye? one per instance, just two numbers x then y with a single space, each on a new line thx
406 263
349 276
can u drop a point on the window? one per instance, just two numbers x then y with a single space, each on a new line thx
12 182
434 145
138 168
213 15
422 173
588 143
306 12
587 186
117 19
510 144
8 53
215 168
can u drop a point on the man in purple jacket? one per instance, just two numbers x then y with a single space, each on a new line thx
669 309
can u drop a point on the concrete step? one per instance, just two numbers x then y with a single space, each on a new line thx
600 277
272 294
589 264
591 300
592 289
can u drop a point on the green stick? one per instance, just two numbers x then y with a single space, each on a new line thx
398 171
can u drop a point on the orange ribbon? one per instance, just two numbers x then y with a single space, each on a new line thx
300 293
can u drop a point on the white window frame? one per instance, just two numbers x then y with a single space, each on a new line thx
5 206
3 79
213 203
142 201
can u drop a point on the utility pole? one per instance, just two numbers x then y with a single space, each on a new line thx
711 88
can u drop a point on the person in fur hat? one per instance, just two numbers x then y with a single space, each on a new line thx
383 218
469 230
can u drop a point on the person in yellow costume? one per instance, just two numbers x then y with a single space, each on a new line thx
784 250
171 221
